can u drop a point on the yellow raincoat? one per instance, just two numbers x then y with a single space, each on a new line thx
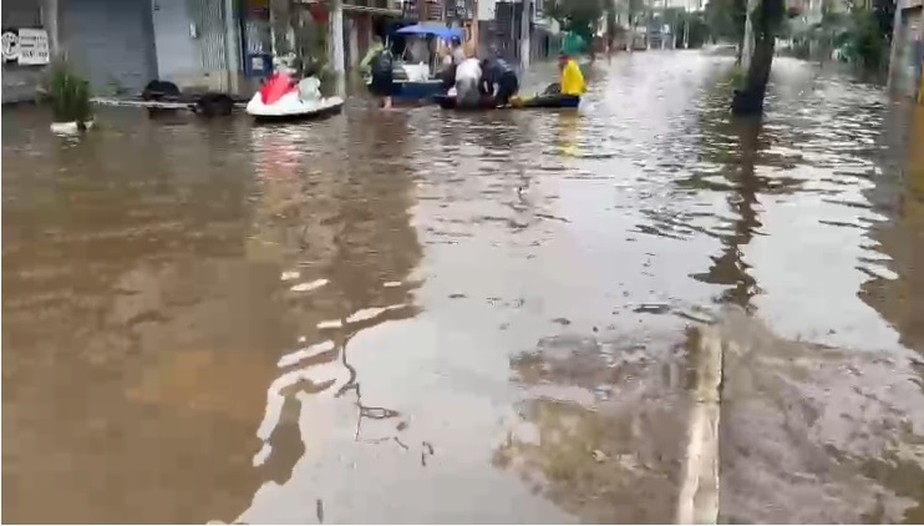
572 80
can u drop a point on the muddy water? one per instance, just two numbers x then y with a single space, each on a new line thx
421 316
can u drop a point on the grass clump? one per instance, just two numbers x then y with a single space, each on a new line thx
68 94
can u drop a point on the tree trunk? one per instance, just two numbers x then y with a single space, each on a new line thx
749 100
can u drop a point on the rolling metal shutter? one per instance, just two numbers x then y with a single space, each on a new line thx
111 42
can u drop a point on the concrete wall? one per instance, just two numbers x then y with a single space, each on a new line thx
20 83
905 66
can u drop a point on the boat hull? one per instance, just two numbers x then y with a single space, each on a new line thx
291 109
406 90
448 102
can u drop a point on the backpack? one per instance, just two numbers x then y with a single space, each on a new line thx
382 63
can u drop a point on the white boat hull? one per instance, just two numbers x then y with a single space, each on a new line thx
290 106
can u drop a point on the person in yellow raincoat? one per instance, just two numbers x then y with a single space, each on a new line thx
572 80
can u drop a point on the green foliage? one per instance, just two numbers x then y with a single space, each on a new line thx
692 28
726 18
866 45
767 19
68 94
579 16
884 11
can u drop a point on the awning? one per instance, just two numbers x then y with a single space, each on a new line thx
446 33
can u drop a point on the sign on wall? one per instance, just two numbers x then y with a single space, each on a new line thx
33 47
28 47
10 46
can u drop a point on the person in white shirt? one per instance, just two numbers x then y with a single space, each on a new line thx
468 80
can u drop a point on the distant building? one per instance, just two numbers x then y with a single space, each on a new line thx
501 27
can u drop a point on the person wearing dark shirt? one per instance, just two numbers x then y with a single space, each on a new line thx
499 79
379 62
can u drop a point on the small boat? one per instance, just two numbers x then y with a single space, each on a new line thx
281 99
551 101
420 82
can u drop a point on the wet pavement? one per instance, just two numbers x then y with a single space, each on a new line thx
425 316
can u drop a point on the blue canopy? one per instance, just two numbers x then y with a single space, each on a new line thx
446 33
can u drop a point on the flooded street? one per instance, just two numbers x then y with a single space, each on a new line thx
425 316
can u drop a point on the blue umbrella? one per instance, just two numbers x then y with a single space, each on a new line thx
446 33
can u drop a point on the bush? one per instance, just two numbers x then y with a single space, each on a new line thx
68 93
866 45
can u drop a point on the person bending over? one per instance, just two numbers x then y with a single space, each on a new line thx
468 82
499 79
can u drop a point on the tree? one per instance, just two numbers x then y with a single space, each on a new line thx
766 21
579 16
725 19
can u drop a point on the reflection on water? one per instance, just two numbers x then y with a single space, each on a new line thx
427 316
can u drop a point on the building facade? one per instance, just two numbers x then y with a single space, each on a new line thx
907 56
27 20
228 45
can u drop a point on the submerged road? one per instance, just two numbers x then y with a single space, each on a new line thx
425 316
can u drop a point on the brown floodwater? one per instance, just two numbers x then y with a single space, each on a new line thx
421 316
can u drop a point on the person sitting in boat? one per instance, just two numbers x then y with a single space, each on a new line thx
499 79
379 61
572 80
309 88
468 83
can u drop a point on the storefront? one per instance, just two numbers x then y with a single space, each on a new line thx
110 42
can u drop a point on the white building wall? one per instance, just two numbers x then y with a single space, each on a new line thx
486 10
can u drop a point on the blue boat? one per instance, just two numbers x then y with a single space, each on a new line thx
407 90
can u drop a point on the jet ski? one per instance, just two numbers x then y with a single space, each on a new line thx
281 98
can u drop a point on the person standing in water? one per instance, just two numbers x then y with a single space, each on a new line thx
499 79
468 82
453 57
379 61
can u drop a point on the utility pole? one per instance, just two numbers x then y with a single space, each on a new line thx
50 21
525 25
474 33
335 47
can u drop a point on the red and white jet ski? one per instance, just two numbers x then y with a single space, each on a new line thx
281 98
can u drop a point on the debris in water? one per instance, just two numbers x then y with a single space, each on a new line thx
309 286
652 308
330 324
